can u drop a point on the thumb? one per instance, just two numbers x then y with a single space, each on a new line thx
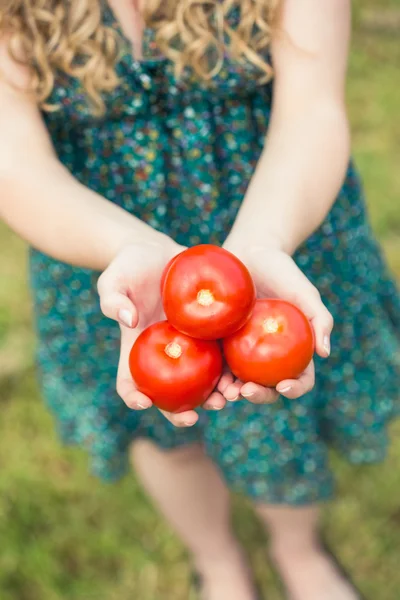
308 299
119 307
321 320
285 280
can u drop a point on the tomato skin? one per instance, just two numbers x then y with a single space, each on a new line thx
277 343
174 382
208 292
164 273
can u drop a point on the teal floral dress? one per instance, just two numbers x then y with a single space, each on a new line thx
180 157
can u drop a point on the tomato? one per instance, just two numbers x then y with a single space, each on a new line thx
164 273
277 343
208 292
175 371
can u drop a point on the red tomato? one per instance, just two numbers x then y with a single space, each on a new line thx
175 371
277 343
208 293
164 273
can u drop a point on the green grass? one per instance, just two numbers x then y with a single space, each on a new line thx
64 536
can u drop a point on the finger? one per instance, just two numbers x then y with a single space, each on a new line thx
283 279
126 387
323 324
134 399
184 419
215 402
257 394
119 307
232 391
294 388
308 299
226 379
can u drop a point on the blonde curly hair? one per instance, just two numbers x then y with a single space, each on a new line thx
51 35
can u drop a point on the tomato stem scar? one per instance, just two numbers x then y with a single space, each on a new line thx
270 325
205 298
173 350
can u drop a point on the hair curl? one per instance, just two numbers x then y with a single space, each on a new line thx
51 35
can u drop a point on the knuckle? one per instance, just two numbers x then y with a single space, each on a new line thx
171 418
177 423
263 397
106 306
103 304
306 386
297 391
272 397
329 320
315 293
121 394
101 283
260 398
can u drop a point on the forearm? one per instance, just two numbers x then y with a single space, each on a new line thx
297 178
52 211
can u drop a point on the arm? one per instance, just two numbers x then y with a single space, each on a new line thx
44 204
307 147
41 200
301 168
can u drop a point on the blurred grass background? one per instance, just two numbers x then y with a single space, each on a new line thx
65 536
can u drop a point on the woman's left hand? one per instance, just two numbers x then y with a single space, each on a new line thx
276 275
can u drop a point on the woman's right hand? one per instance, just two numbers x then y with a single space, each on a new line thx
129 292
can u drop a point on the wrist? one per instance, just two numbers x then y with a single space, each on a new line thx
250 243
159 241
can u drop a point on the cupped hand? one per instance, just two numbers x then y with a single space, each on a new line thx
276 275
129 292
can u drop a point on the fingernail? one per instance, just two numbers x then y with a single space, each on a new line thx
143 406
216 407
327 345
248 395
189 423
125 317
284 390
233 399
